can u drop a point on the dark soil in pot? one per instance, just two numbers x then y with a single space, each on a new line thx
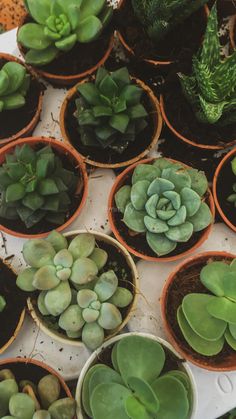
224 188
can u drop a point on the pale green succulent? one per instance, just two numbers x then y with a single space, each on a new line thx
3 303
166 202
14 85
232 198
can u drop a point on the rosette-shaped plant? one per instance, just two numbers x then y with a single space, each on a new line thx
232 197
14 85
34 185
58 25
166 203
109 111
26 400
135 386
208 320
3 303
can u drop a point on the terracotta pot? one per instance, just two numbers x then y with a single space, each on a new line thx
24 132
213 363
66 80
96 355
63 149
120 181
157 119
60 336
232 31
225 161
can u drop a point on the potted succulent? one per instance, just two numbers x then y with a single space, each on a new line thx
21 96
83 290
199 108
224 188
112 120
39 177
160 209
66 41
135 375
12 306
30 389
155 31
198 308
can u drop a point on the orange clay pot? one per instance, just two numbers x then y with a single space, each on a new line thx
63 149
157 119
222 163
120 181
232 30
211 363
24 132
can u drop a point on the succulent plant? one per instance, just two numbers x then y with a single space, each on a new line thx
166 203
160 16
3 303
109 110
34 185
58 25
135 386
232 197
75 288
14 85
210 89
25 400
208 320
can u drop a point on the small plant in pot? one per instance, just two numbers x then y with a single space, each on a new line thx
135 375
205 99
21 96
112 120
39 177
160 209
66 41
84 288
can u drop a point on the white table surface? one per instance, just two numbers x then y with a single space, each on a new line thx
216 391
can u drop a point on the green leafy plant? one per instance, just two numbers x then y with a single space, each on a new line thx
211 87
109 110
232 197
58 25
160 16
208 320
86 306
135 386
26 400
3 303
166 203
34 185
14 85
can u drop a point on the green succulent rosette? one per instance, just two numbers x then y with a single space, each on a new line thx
232 198
14 85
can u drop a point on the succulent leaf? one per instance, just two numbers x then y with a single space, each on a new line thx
92 335
49 390
58 298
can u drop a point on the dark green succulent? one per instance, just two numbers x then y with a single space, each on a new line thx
110 113
34 185
2 303
14 84
232 197
211 88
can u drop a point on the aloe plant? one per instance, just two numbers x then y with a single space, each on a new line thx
75 288
26 400
109 111
3 303
135 386
232 198
34 186
208 320
14 85
58 25
160 16
210 89
165 201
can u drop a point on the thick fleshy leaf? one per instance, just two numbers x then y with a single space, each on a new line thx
33 201
174 198
71 319
151 205
13 101
179 217
85 297
41 414
92 335
108 401
222 308
25 279
66 44
212 276
144 393
99 256
121 77
110 317
135 409
106 285
15 192
83 271
134 219
48 390
63 408
85 389
38 252
232 329
137 111
202 219
4 81
160 244
131 94
229 284
155 225
31 36
45 278
8 388
21 406
16 73
122 297
89 92
82 245
145 172
39 10
57 240
158 186
165 215
139 195
181 233
41 57
103 374
180 178
191 200
122 197
119 122
230 339
58 299
183 378
90 315
199 181
41 303
89 29
63 258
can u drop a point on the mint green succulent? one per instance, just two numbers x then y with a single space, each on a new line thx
75 288
208 321
166 203
25 400
211 88
3 303
135 386
14 85
232 198
59 25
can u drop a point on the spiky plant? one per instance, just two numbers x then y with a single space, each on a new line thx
211 88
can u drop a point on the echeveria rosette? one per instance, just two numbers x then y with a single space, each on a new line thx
166 203
207 321
14 85
135 386
210 89
110 112
232 198
34 186
58 25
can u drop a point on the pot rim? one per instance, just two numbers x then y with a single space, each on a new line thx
232 29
